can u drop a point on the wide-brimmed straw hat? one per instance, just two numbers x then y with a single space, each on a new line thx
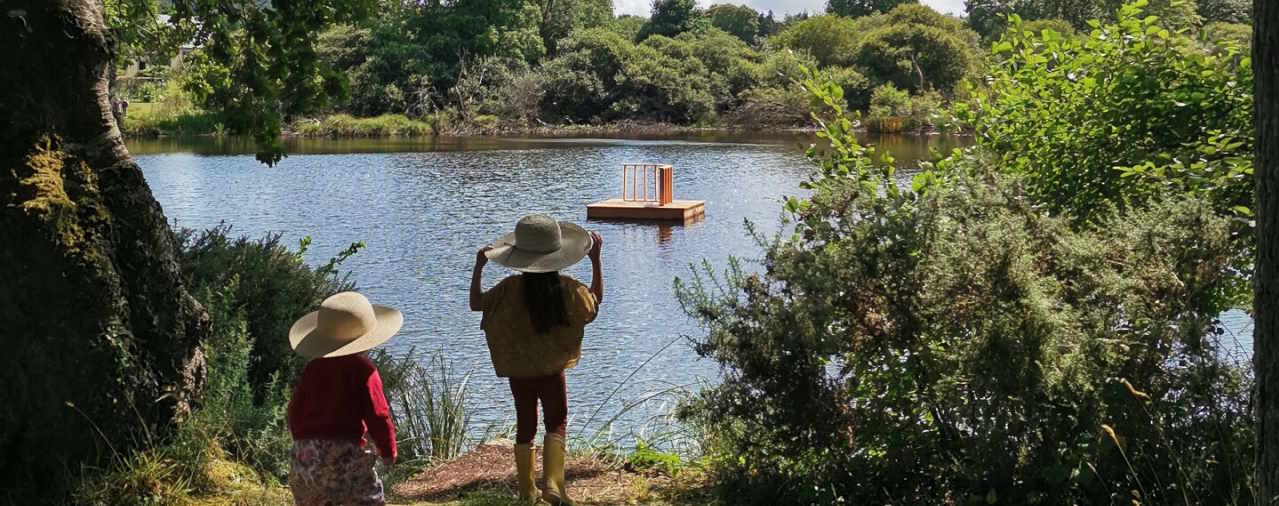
346 324
541 244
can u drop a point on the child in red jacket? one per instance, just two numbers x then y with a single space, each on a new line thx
338 400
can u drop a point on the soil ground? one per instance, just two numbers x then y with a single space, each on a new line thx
486 476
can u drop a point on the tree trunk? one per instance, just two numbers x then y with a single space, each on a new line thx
101 339
1265 68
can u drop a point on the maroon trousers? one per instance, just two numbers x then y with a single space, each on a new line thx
550 390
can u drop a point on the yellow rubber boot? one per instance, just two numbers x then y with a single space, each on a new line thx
553 470
524 471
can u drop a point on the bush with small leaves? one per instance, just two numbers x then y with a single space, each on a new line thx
946 341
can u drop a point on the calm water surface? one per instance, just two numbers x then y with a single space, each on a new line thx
424 208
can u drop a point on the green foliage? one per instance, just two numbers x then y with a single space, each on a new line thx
1227 11
918 49
1037 27
989 17
561 17
859 8
380 62
1227 38
739 20
237 441
857 88
627 25
830 39
645 458
581 81
156 119
259 65
1115 119
786 106
888 109
140 35
670 18
428 401
600 75
266 271
949 342
252 431
339 126
731 66
890 101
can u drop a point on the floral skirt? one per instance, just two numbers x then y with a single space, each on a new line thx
334 473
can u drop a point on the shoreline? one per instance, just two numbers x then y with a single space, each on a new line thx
404 128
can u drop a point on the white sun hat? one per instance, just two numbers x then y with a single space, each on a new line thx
345 324
541 244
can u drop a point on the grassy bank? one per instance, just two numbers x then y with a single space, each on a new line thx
339 126
156 119
346 126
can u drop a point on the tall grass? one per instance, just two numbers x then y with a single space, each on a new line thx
429 404
345 125
170 113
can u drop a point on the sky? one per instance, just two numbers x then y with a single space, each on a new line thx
779 7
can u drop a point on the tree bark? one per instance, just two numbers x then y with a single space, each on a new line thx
101 339
1265 69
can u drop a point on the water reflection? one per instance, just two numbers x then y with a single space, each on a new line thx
906 148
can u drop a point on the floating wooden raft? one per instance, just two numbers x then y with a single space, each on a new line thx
648 193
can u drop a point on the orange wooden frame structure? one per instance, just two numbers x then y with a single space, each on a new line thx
639 178
648 193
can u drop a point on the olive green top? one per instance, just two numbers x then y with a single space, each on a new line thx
518 351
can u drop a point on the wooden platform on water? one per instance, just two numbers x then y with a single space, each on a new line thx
685 211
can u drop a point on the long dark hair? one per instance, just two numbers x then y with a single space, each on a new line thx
544 298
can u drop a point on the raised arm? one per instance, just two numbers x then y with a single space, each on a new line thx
597 274
477 293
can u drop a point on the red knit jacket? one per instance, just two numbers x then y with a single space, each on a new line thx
341 398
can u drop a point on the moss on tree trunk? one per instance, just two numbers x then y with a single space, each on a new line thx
100 336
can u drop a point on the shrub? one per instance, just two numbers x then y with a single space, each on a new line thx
580 82
1113 119
484 86
672 17
647 458
952 343
345 125
1228 11
238 439
784 67
1227 38
889 108
731 66
772 107
1037 26
739 20
274 287
890 101
830 39
918 49
857 89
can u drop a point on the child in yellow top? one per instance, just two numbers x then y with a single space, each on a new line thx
534 323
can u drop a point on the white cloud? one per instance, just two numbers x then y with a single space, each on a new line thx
779 7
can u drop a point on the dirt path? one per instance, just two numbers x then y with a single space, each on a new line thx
486 476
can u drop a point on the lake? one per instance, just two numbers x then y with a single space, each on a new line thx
424 207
